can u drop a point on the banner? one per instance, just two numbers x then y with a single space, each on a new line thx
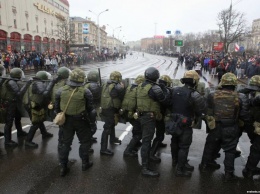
218 46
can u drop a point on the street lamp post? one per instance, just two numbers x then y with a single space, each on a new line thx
114 33
98 27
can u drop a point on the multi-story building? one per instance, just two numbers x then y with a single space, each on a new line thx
114 45
86 33
256 34
32 24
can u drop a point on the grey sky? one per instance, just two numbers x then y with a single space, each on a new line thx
138 17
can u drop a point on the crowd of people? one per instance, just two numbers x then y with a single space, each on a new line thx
151 107
218 64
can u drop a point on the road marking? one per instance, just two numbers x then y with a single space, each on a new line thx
127 130
14 131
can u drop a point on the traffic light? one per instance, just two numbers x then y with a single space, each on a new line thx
178 43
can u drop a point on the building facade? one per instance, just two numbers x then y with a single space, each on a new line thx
32 24
256 34
86 33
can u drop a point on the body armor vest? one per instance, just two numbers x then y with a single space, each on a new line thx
226 105
144 102
106 100
77 103
181 102
129 102
55 88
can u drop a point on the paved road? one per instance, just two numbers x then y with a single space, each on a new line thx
25 170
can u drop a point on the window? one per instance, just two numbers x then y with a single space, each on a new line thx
27 26
61 8
45 22
45 30
51 23
36 18
15 24
51 31
50 2
37 29
0 20
56 4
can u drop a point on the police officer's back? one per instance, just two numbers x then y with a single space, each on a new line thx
149 97
80 118
186 105
111 99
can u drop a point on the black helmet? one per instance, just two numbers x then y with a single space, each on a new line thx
152 74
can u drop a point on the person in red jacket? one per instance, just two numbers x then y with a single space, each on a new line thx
212 65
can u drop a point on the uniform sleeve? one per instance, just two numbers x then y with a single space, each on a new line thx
199 103
210 104
256 101
13 86
118 92
244 113
157 94
57 101
89 106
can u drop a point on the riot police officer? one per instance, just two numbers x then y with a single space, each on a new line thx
225 107
253 128
63 75
128 110
11 94
149 97
93 85
80 118
111 99
39 95
186 104
160 126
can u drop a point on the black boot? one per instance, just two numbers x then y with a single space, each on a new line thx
188 167
86 165
63 170
247 173
182 172
30 144
229 177
153 150
238 153
149 173
47 135
129 152
113 139
213 165
11 143
104 150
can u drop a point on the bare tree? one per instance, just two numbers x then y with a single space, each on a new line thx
66 33
231 26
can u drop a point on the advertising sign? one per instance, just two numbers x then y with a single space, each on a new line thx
158 36
218 46
85 28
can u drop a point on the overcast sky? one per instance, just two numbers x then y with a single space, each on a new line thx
138 17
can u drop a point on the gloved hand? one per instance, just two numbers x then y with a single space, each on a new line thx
93 128
257 127
210 122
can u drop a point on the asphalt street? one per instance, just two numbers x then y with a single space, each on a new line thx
24 170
